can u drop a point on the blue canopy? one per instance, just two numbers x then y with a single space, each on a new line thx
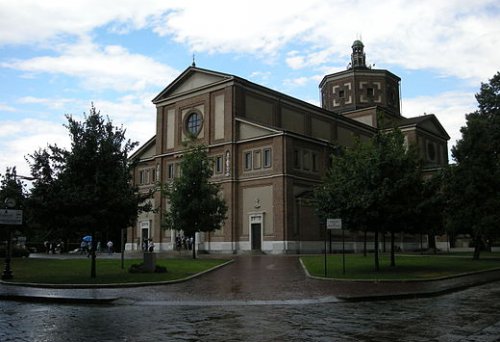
87 238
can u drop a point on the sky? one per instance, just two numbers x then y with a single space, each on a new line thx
57 57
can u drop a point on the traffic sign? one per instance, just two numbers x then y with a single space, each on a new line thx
334 223
11 216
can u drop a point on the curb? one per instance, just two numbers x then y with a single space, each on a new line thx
415 295
114 285
58 299
51 299
412 295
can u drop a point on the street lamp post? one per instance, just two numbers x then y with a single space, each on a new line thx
8 217
7 272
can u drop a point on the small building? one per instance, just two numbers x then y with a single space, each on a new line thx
270 150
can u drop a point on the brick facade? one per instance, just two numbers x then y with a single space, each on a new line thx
269 151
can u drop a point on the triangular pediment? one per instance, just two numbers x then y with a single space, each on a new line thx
190 80
249 130
146 151
429 123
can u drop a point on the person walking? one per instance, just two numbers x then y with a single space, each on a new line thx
151 246
110 247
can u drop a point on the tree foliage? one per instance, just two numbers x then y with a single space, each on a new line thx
473 183
13 188
86 189
372 186
194 204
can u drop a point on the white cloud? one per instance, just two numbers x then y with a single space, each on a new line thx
20 138
450 108
49 103
259 27
454 37
296 82
451 38
294 61
36 22
6 108
109 67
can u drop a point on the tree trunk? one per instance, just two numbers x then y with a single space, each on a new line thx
432 242
93 245
393 258
364 243
194 246
477 246
377 265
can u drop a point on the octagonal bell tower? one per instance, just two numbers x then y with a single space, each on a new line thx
361 87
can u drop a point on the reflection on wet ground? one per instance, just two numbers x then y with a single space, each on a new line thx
470 315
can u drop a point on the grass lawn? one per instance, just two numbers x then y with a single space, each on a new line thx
407 267
108 271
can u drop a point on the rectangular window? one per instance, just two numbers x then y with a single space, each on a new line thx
248 160
141 177
341 93
296 159
170 171
306 161
314 160
257 159
267 157
369 91
218 164
153 175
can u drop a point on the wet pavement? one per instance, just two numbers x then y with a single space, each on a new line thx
251 280
469 315
258 298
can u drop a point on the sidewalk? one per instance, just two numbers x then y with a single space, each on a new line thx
262 279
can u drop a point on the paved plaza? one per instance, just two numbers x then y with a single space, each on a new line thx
256 279
258 298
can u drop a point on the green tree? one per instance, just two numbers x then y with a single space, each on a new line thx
473 183
372 186
45 196
195 204
13 188
88 187
429 211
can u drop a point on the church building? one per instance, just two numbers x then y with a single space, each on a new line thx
269 151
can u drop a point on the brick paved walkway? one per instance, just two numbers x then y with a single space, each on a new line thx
253 278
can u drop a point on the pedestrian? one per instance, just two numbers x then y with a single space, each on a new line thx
178 242
98 248
83 247
110 247
151 246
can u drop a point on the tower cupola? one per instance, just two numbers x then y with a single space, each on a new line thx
360 87
358 57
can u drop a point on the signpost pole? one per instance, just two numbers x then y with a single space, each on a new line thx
335 224
325 253
9 217
343 252
7 272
